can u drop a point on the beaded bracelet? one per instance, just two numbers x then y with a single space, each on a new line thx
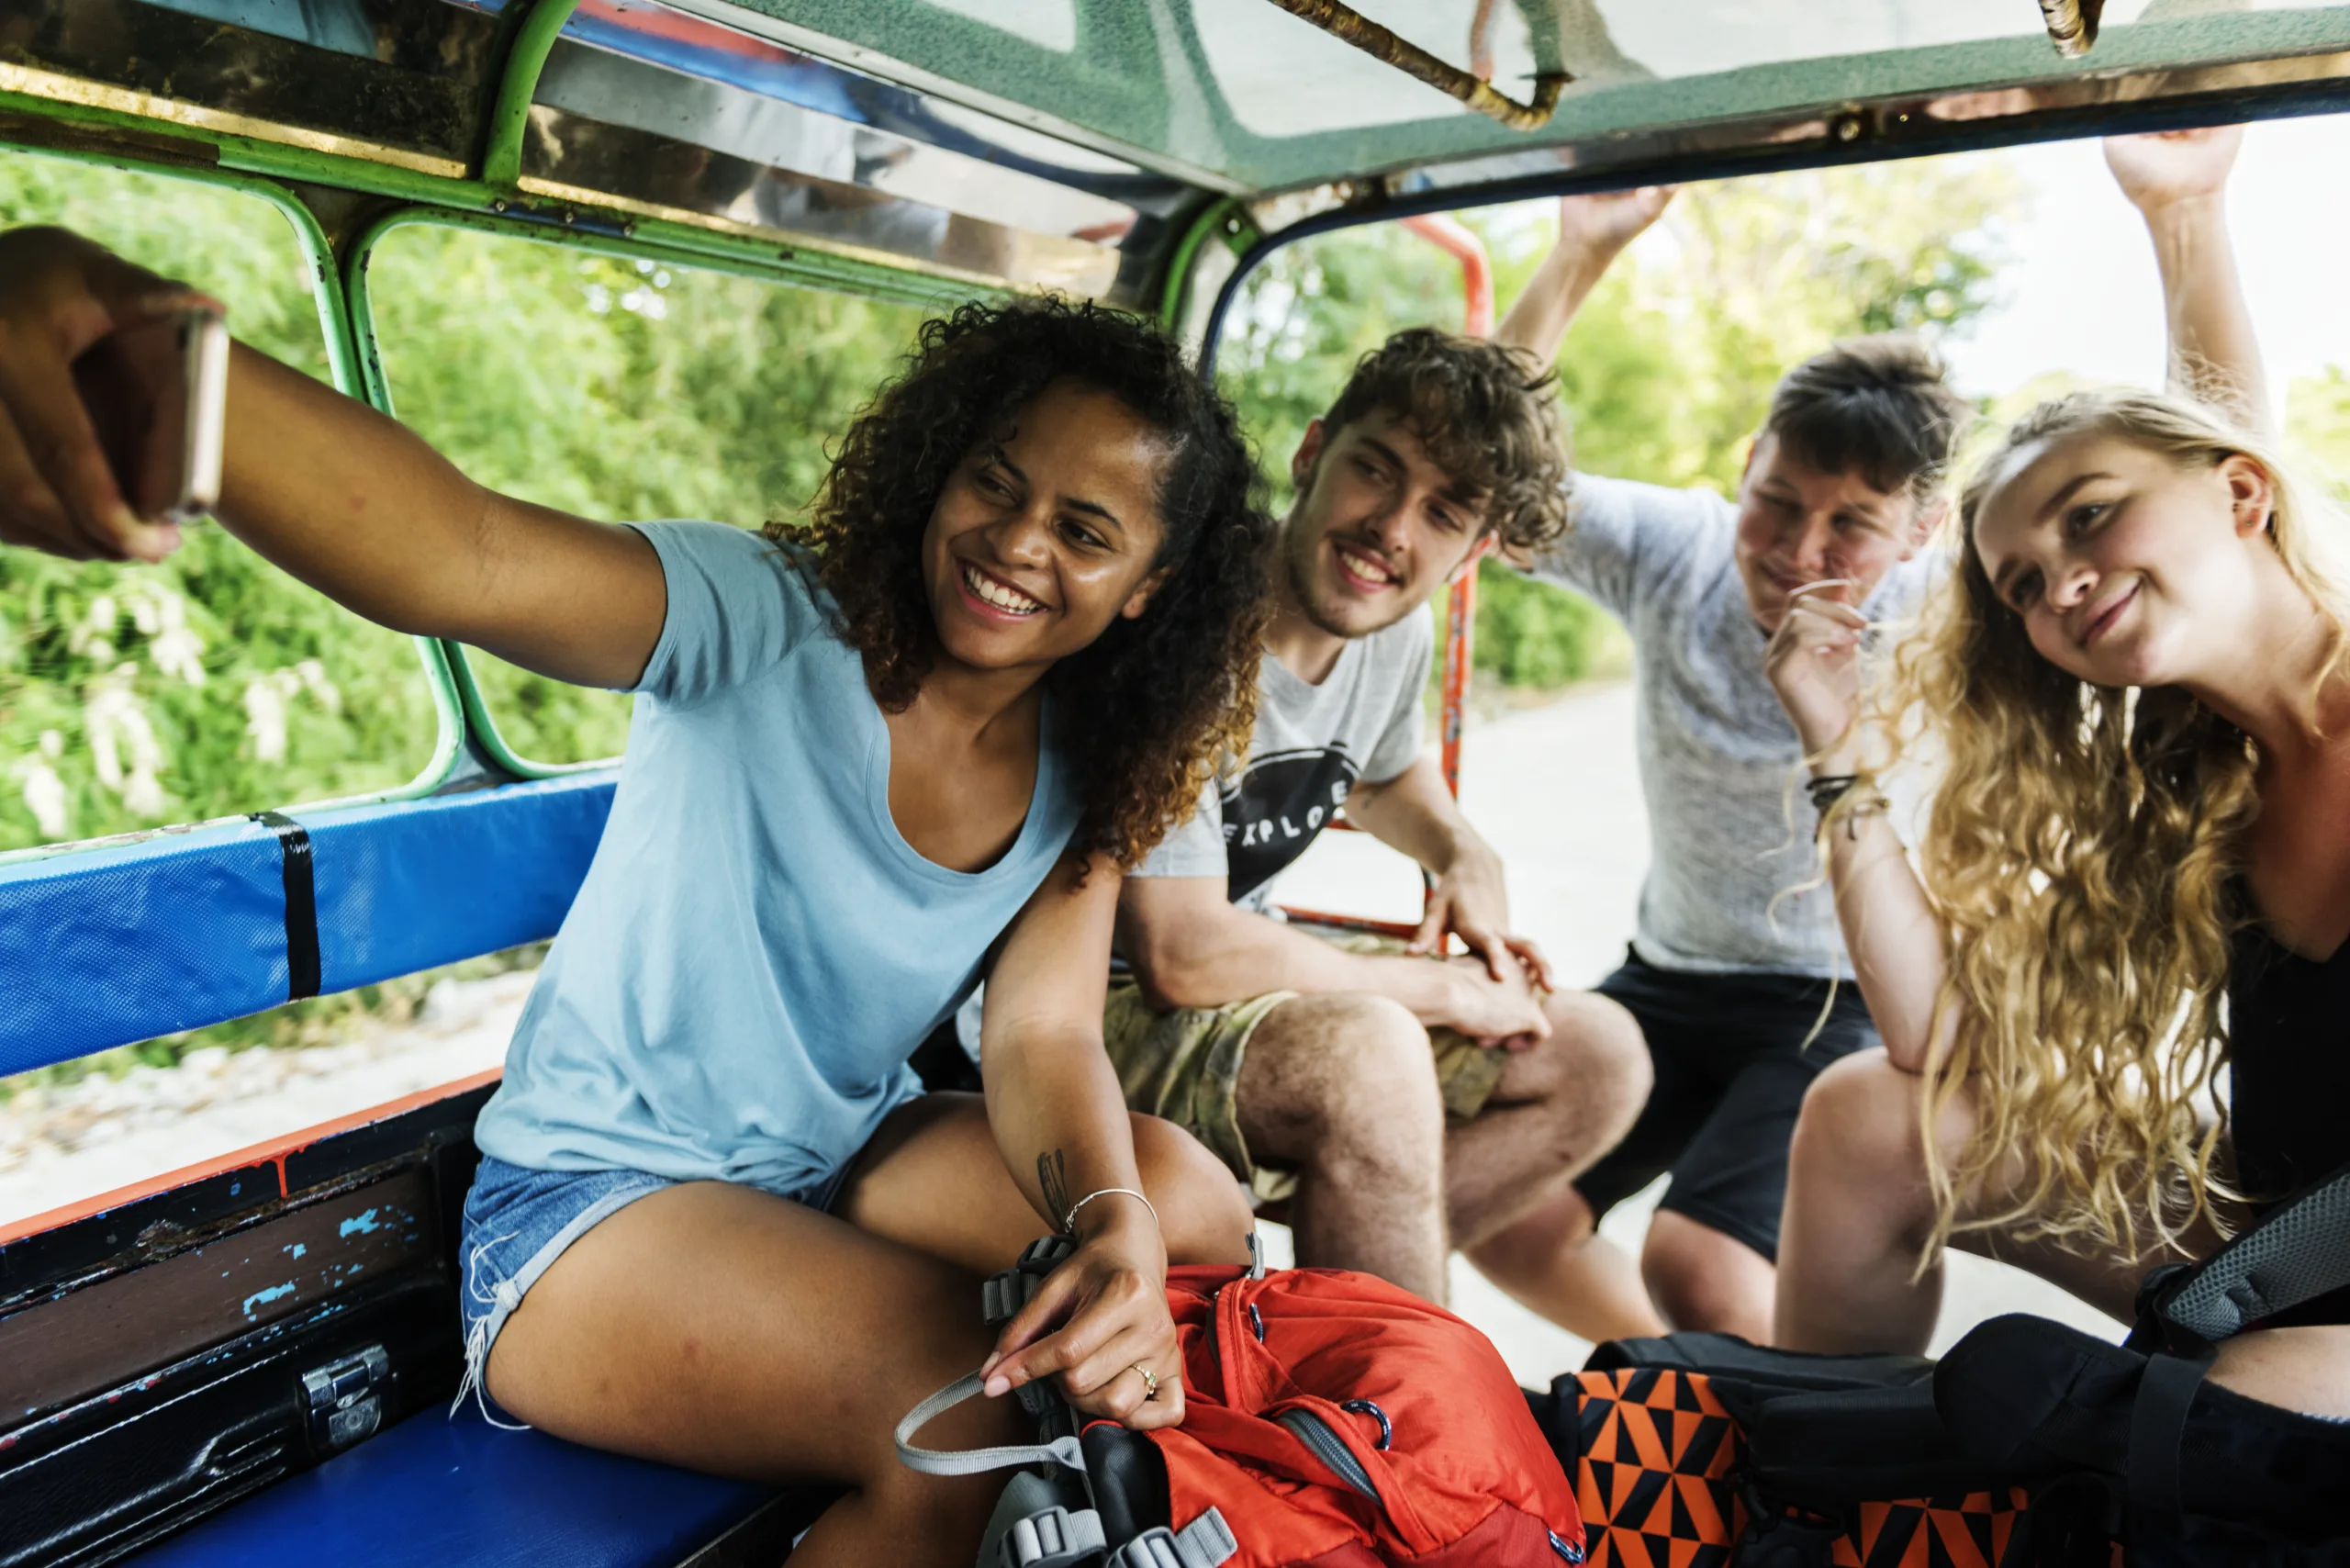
1830 788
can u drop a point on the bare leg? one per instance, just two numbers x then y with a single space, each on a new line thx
725 1330
1342 1089
933 1180
1703 1279
2299 1369
1552 1262
1859 1213
1560 1103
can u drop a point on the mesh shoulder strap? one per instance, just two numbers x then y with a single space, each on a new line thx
2300 1252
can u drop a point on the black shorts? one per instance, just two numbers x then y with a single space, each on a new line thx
1731 1069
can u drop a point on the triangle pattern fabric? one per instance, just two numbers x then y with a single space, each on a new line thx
1656 1479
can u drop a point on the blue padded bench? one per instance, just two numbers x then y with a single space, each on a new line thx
436 1492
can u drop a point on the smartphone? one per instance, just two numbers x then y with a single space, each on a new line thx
158 394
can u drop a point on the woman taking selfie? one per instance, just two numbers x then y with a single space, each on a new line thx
914 738
2135 696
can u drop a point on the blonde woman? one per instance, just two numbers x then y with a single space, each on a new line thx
2135 688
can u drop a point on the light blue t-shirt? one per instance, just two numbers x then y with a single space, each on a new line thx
756 951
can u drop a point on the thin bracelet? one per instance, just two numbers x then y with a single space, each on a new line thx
1069 1220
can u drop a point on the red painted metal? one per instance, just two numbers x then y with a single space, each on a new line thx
1451 235
1461 608
1397 928
1461 603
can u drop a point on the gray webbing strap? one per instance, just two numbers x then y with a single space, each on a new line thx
1052 1537
2299 1252
973 1461
1207 1542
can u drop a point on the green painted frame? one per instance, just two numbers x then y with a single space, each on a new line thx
344 368
804 269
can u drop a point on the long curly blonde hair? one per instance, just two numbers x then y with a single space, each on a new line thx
2082 849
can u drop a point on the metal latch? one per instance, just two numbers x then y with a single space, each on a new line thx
343 1400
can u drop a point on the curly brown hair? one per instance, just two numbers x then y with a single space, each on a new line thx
1145 711
1488 416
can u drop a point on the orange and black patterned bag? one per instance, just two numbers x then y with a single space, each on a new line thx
1663 1480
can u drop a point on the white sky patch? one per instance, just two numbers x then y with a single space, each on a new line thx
2081 293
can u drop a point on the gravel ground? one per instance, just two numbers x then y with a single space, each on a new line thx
1554 788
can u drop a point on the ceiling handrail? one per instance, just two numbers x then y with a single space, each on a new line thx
1349 26
2072 25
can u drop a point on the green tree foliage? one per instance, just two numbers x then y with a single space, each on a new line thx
617 389
213 684
132 695
1670 366
2317 428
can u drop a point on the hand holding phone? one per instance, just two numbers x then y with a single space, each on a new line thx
157 394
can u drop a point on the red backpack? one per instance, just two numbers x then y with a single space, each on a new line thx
1331 1420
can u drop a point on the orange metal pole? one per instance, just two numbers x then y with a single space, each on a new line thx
1461 610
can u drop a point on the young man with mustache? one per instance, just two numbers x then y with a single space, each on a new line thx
1401 1102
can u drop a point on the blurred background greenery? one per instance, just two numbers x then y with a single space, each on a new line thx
212 685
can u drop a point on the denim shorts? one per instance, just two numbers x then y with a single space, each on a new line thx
518 1222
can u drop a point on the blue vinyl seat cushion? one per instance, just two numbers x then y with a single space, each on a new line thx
442 1492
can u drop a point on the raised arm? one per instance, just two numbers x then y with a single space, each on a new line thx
1593 231
2177 180
347 500
1890 930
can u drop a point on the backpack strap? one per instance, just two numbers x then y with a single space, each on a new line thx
1207 1542
1063 1450
2300 1251
2159 1432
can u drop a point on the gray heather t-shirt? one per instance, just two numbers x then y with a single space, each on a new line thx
1313 744
1717 753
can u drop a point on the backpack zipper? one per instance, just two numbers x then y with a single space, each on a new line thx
1326 1446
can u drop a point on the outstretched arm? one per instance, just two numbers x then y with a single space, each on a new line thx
343 497
2177 180
1593 231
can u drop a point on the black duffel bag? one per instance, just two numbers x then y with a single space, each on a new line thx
2030 1445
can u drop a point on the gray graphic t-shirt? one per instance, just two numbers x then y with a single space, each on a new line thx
1717 753
1312 745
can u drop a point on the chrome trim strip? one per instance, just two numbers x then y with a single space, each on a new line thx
80 91
620 90
872 62
571 158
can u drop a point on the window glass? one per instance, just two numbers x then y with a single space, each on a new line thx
619 390
212 684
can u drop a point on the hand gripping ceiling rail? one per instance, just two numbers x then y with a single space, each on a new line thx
106 947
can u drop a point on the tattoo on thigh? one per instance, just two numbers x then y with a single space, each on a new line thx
1052 1179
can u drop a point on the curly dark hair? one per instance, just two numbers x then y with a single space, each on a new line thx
1150 707
1488 416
